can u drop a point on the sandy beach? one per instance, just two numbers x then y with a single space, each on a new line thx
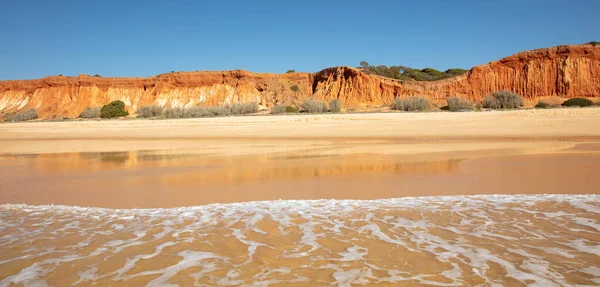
171 163
245 134
391 198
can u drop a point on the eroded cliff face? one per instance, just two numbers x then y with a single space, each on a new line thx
565 71
68 96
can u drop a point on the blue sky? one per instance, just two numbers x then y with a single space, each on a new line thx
144 38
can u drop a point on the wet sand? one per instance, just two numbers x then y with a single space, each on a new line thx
150 179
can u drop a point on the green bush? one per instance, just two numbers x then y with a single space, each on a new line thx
408 73
90 113
456 104
581 102
445 108
542 105
415 103
149 111
27 115
335 106
113 109
290 71
503 100
314 106
295 88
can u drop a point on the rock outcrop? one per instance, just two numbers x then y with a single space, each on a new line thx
564 71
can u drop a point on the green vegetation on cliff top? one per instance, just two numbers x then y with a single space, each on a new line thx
407 73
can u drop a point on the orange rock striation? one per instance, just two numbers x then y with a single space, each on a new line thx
564 71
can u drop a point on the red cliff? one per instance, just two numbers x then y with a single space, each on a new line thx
564 71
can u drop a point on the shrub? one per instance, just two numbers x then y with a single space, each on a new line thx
182 113
445 108
503 100
542 105
290 71
113 109
314 106
219 110
149 111
415 103
456 104
408 73
593 43
201 112
335 106
90 113
173 113
290 109
244 108
490 103
295 88
581 102
278 109
27 115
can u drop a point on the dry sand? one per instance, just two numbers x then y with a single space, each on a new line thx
239 135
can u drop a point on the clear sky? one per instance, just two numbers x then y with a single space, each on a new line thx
144 38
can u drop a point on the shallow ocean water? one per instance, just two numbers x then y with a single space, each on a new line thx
486 240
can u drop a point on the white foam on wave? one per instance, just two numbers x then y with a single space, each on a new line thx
307 206
318 220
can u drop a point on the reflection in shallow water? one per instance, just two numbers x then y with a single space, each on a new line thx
183 167
114 157
541 240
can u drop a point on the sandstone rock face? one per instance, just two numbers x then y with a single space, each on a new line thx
564 71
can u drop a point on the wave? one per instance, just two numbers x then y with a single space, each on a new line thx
548 240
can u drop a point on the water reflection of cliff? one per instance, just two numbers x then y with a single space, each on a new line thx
295 170
175 167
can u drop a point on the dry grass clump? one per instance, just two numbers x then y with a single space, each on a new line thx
281 109
335 106
278 109
503 100
244 108
456 104
90 113
313 106
27 115
149 111
415 103
214 111
185 113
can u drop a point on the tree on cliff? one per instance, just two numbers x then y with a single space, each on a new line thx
408 73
